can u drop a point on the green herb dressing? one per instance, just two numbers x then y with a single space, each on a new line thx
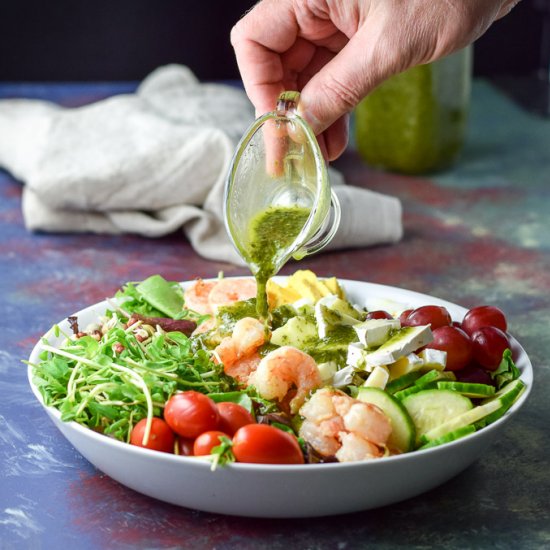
415 122
271 234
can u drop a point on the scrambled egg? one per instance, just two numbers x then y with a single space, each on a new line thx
302 284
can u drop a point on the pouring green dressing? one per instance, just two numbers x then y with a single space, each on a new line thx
271 234
271 217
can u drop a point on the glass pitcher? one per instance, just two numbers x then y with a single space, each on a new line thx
278 172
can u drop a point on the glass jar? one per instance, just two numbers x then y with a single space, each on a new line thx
415 122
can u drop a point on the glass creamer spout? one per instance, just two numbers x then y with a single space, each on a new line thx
287 103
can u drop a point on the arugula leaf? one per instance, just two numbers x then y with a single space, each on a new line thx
110 391
240 397
222 454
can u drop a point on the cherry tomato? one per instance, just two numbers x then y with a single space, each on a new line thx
456 343
489 344
484 316
191 413
404 316
264 444
436 316
184 446
207 441
378 314
232 417
161 437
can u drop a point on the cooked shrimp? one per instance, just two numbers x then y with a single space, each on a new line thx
196 296
283 369
354 448
238 352
227 291
327 445
205 326
241 369
367 421
336 424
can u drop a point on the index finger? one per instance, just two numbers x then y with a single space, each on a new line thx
259 40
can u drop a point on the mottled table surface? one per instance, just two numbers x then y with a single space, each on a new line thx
479 233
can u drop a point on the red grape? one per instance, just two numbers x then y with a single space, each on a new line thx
436 316
456 343
403 317
378 314
484 316
489 344
474 374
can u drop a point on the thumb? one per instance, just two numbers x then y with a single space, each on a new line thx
344 81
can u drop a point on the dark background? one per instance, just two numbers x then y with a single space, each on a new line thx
75 40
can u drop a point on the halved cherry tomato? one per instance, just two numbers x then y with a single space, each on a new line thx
232 417
206 442
264 444
191 413
161 437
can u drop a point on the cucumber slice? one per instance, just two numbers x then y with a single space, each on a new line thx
433 376
469 417
401 394
451 436
469 389
430 376
403 436
402 382
507 396
490 418
431 408
425 382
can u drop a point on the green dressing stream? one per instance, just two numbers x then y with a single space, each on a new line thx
271 234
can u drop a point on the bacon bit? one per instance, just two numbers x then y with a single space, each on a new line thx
140 337
169 325
132 320
73 322
118 347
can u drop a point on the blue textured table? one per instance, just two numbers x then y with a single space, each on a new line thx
479 233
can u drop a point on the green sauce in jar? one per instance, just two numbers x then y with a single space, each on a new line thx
415 122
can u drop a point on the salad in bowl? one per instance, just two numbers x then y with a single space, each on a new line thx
191 371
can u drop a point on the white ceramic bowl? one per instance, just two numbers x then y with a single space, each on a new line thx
288 491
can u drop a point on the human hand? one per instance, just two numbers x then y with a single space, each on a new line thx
336 52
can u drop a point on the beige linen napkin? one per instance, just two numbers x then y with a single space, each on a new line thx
150 163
